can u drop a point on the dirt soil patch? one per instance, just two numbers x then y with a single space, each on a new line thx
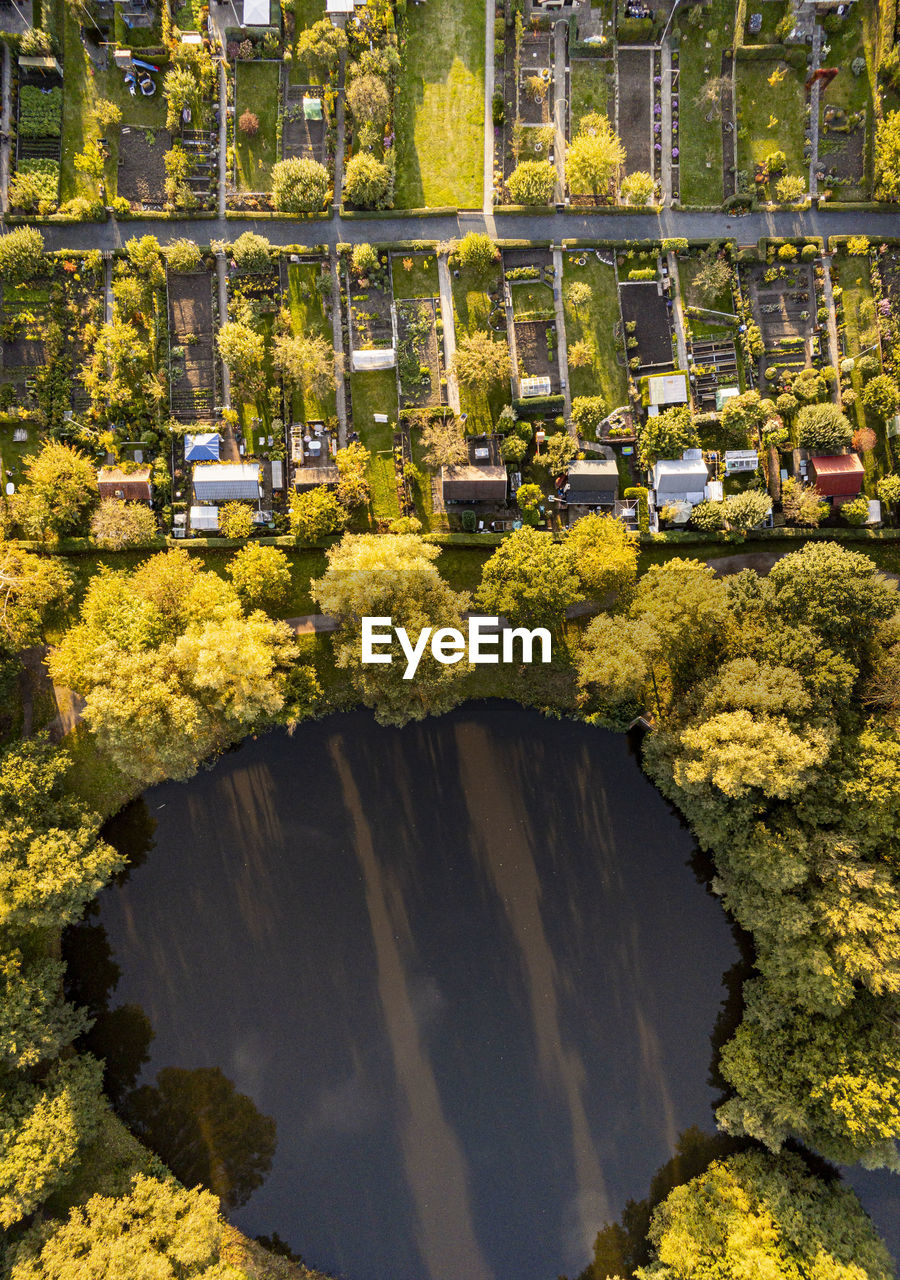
370 317
643 305
302 138
842 156
142 170
635 107
193 374
532 350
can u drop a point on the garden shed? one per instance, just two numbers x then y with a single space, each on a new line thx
256 13
205 519
680 480
202 448
227 482
837 475
666 389
126 486
593 483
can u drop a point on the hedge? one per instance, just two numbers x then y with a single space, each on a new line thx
538 406
448 211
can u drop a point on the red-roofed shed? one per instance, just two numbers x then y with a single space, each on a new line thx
838 475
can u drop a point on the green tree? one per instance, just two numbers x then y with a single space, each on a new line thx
587 413
713 277
107 113
529 579
443 444
251 253
741 419
316 513
35 1024
532 182
889 489
58 495
579 295
51 862
353 471
839 594
667 435
823 428
22 254
183 255
235 520
604 556
320 47
371 576
243 351
157 1228
614 670
145 255
594 157
364 259
368 100
887 156
261 577
478 254
529 500
685 608
736 751
42 1128
479 362
763 1215
116 372
33 591
881 396
180 88
638 189
116 525
300 185
802 503
746 510
368 182
855 511
306 362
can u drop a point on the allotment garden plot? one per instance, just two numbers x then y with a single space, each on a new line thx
142 168
646 313
192 346
304 123
527 87
420 368
530 292
783 301
635 108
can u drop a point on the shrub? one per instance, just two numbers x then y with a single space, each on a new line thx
823 428
249 124
468 521
251 252
368 183
299 185
235 520
183 255
855 512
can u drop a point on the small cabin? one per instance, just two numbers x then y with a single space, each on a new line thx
592 483
738 460
838 476
125 486
680 480
203 447
482 479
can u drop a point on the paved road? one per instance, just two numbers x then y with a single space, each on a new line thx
537 226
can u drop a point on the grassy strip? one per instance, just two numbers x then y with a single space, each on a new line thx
700 140
590 82
439 113
308 316
376 392
256 90
420 281
594 325
471 309
758 103
861 334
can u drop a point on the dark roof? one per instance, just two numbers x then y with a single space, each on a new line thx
474 484
600 475
307 477
130 486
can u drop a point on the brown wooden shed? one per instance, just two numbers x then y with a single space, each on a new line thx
127 486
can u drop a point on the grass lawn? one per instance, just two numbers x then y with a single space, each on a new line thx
595 326
758 102
590 83
256 90
700 140
705 328
471 309
855 38
861 332
308 316
421 281
439 110
376 392
11 454
531 300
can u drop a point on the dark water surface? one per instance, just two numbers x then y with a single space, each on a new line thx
465 967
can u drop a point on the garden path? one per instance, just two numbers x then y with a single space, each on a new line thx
488 175
666 121
340 388
560 105
4 127
223 139
814 112
562 350
834 350
339 145
449 331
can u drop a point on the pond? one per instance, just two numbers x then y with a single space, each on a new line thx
429 1003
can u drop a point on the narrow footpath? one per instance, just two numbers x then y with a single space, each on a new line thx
5 114
339 144
560 106
449 330
834 347
562 349
488 175
223 139
340 386
814 113
666 122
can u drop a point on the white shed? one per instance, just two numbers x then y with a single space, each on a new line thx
680 480
256 13
373 358
205 519
535 387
